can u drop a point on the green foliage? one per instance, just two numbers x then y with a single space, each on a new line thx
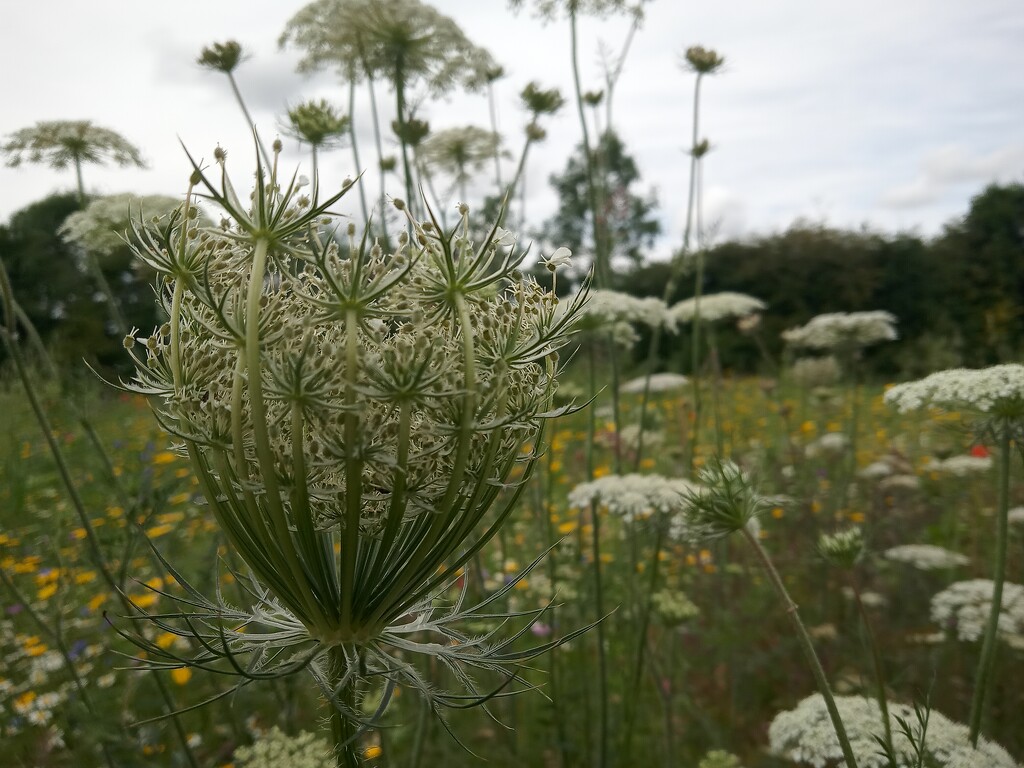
51 282
958 297
629 217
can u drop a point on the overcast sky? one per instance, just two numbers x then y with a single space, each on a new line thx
890 114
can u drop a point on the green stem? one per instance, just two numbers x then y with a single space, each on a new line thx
355 156
988 647
641 651
400 103
78 178
601 271
342 728
806 645
595 543
876 660
248 118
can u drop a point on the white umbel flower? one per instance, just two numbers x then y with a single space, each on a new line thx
925 557
632 496
960 466
843 330
963 608
104 224
806 735
659 382
716 306
997 391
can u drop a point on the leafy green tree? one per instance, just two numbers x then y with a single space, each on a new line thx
985 253
630 223
49 282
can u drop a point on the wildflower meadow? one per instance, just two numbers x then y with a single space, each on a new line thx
422 484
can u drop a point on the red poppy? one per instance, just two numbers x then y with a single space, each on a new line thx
979 451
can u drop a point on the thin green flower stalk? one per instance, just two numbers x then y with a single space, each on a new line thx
225 57
407 41
95 552
703 62
537 102
844 550
59 143
548 10
847 335
993 400
726 502
710 310
354 418
638 500
491 76
318 124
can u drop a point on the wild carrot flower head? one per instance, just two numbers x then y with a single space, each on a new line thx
716 306
632 497
843 548
993 394
963 609
316 122
725 500
103 226
843 331
925 557
352 415
806 735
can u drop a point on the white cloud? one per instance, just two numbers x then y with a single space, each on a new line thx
954 165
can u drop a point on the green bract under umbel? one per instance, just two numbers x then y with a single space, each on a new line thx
359 421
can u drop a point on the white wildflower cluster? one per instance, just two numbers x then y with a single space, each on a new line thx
632 497
618 313
629 437
659 382
363 357
806 735
1016 516
843 330
276 749
960 466
829 444
997 391
963 609
716 306
352 416
925 557
103 226
814 372
673 607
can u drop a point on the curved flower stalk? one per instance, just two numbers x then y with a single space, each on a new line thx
993 398
225 57
354 418
727 502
